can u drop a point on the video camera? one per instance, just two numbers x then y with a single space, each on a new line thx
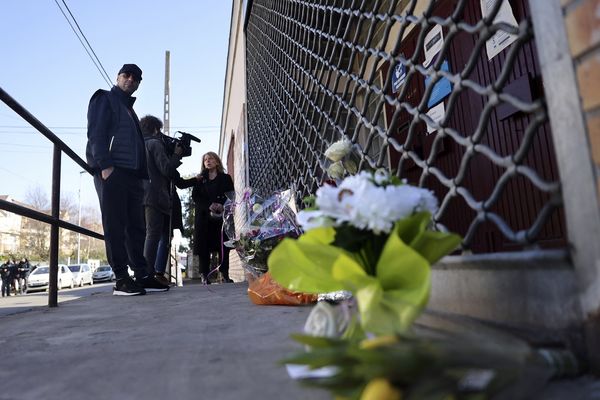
185 141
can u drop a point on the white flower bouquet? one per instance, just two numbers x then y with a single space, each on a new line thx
372 236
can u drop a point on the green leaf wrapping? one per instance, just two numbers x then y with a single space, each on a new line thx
431 245
387 302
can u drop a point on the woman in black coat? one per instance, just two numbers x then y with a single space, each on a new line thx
209 195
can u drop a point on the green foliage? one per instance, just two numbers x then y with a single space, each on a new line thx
466 366
309 202
188 216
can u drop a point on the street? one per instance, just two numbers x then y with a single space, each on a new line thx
26 302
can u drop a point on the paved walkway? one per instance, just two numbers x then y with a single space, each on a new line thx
193 342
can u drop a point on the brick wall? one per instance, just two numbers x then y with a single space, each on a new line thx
582 18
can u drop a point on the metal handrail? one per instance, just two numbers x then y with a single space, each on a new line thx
54 219
27 116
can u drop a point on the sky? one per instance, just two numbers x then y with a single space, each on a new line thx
46 69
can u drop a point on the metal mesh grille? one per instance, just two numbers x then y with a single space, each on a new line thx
321 70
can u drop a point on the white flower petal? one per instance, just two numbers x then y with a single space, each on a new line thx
336 170
339 149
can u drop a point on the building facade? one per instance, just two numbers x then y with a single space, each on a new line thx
492 105
10 230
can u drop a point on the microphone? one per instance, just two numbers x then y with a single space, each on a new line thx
188 136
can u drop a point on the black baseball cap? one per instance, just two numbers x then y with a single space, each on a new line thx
133 70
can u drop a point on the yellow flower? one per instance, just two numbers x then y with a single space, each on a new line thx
378 341
257 208
380 389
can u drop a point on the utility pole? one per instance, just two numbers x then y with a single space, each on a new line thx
167 131
167 111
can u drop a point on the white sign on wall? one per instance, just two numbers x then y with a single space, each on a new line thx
434 40
501 39
437 114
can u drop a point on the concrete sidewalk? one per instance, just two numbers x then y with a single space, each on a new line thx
193 342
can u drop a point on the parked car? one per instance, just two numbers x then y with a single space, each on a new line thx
103 273
39 279
82 274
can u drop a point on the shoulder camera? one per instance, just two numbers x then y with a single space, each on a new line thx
184 140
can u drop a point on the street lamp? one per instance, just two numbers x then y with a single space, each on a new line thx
79 219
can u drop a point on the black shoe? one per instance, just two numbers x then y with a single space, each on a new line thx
161 279
151 284
127 287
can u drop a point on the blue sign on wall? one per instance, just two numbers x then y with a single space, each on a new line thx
398 77
442 88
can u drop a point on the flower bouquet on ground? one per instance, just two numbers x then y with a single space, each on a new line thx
476 365
263 224
372 235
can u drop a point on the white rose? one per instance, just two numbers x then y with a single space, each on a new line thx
336 170
321 321
312 219
339 150
350 166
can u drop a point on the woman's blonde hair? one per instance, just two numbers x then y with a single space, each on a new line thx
214 155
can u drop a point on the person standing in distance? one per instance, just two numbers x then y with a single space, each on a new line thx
209 195
116 151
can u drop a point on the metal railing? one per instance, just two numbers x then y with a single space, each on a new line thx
54 218
318 71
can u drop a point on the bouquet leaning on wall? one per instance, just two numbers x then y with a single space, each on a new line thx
261 225
372 235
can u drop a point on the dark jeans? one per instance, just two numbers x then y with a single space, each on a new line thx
121 197
157 232
163 253
5 287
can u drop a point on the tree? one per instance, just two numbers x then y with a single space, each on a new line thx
188 216
90 247
68 239
35 235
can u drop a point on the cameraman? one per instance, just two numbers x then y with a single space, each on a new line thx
158 199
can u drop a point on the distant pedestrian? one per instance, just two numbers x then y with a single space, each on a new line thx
116 152
23 270
13 272
5 275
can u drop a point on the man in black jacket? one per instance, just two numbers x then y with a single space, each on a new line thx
158 196
116 151
5 275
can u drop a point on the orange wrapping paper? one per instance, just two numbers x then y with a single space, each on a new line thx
265 291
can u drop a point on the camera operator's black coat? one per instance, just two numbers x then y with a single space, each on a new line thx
161 169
